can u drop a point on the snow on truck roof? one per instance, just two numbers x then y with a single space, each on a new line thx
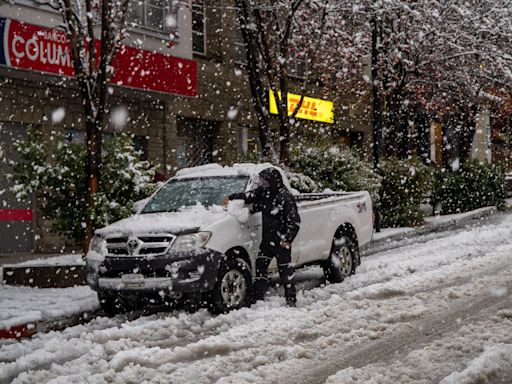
212 170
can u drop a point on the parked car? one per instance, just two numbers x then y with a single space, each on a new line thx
182 243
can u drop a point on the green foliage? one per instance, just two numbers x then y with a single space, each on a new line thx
30 171
404 184
250 157
59 182
475 185
303 183
336 169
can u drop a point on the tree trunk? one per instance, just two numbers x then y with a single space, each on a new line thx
377 112
92 175
258 90
284 153
376 98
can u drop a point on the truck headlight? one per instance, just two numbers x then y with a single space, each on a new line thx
192 241
96 244
96 254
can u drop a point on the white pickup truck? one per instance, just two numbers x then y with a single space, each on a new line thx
182 243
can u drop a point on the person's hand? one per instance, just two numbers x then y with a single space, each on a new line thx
225 202
285 244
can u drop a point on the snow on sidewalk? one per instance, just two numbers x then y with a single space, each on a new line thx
55 261
431 223
386 233
26 305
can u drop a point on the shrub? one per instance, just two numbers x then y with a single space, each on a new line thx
336 169
475 185
303 183
404 185
60 182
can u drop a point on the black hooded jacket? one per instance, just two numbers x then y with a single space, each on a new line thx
280 216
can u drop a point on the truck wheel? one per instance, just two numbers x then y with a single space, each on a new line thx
342 260
111 304
233 287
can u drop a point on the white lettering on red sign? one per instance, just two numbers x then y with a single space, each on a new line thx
44 51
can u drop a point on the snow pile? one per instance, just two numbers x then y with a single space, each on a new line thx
64 260
238 209
484 367
21 305
172 222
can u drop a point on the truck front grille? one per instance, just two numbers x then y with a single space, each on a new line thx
146 245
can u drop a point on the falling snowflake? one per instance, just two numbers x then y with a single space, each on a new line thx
58 115
119 116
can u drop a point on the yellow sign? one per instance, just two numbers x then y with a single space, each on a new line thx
311 109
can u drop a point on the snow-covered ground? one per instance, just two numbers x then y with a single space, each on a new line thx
22 305
391 232
429 312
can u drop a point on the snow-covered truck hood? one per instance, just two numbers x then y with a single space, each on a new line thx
166 222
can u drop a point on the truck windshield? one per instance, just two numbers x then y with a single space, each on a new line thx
183 193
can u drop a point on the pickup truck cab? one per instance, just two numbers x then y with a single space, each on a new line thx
182 243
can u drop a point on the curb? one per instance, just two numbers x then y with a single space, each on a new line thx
23 331
63 276
18 332
432 227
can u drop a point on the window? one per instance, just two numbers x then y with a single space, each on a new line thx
198 27
206 191
297 66
141 144
74 136
148 13
248 144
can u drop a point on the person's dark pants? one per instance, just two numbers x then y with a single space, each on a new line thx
286 272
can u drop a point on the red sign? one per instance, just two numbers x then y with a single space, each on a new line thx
148 70
16 215
47 50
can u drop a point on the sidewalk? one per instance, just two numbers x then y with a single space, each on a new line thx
25 311
389 237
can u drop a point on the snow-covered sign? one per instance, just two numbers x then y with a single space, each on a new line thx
47 50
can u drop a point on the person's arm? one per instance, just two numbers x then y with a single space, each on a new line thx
249 197
292 223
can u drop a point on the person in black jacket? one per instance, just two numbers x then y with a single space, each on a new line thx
280 225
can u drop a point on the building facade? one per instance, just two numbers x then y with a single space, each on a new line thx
180 77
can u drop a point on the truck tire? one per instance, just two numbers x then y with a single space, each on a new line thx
233 287
342 260
111 304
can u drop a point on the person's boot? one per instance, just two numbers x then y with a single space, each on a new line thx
259 288
291 302
256 297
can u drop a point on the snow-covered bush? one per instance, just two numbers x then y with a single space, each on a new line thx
303 183
58 178
336 169
404 185
475 185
